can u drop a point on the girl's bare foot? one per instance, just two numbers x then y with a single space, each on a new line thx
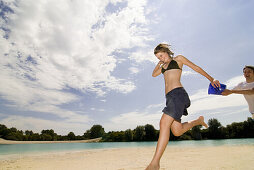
202 122
153 167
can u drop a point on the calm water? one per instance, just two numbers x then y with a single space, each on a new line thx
21 149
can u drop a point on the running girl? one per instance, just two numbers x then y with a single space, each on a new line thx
177 99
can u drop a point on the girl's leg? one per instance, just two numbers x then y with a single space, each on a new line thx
165 124
178 128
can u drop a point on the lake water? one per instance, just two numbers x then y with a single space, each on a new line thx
22 149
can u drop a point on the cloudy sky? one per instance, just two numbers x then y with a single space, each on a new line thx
67 65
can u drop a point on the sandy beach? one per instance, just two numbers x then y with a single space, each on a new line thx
239 157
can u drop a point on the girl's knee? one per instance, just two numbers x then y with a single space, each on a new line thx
176 130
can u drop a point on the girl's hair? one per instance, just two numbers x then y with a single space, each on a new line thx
163 48
250 67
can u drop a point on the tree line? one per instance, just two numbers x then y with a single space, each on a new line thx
140 133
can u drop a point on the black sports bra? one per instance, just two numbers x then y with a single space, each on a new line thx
172 65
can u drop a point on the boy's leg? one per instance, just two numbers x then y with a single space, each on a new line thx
178 128
165 124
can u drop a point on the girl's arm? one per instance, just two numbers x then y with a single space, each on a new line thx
157 69
215 83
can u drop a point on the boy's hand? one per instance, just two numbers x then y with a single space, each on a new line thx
226 92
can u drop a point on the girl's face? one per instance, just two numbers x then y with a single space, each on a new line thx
163 56
248 73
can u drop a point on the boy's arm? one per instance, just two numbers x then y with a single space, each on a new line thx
157 69
228 92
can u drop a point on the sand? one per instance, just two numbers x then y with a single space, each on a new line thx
9 142
239 157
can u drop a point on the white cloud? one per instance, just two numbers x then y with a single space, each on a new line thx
154 106
132 119
134 70
29 96
216 102
141 56
37 125
100 110
55 45
187 73
150 115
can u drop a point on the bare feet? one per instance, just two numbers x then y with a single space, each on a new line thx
202 122
153 167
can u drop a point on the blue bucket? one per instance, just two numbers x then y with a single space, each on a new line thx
217 90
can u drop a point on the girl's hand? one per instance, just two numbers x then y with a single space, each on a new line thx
215 83
160 62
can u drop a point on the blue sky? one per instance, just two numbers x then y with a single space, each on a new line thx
67 65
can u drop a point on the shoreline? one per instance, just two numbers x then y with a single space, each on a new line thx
174 157
9 142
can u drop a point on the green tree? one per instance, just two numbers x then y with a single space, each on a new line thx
128 135
3 131
27 132
13 130
11 136
14 134
139 133
185 136
108 137
117 136
214 131
96 131
87 134
241 129
236 130
50 132
196 132
35 137
248 126
46 137
71 136
28 135
150 133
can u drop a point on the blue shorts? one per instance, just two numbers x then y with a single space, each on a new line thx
177 102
